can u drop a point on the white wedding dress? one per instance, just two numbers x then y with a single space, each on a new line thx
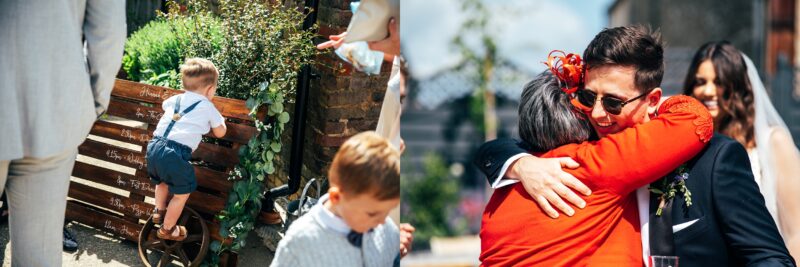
767 121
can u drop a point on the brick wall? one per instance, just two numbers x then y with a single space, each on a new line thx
342 101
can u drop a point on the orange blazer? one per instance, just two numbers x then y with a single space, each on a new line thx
516 232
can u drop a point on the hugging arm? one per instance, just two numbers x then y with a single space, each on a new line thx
620 162
506 161
641 154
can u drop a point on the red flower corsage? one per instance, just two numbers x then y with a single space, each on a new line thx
569 70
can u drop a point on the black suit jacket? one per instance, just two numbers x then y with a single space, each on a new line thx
733 226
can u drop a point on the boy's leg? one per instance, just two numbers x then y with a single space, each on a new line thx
161 196
174 210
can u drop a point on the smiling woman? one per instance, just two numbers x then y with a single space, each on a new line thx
728 84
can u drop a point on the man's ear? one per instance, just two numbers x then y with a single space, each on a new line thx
653 100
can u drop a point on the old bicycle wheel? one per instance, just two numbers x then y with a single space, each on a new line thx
154 251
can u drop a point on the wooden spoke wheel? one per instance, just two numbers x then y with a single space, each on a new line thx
156 252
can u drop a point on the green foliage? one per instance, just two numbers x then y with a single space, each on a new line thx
262 50
155 48
259 49
263 44
154 52
430 199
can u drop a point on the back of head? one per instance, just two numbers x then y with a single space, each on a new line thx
547 119
367 163
630 46
198 73
734 93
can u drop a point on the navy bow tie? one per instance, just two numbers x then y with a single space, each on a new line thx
355 238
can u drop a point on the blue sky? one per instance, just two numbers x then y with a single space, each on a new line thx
525 31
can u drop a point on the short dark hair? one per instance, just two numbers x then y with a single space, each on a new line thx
547 119
632 46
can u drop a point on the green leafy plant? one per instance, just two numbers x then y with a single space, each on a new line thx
428 200
259 49
262 50
154 47
154 52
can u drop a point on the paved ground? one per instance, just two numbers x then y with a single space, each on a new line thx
101 249
447 252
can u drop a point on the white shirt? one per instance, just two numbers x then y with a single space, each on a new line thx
319 238
190 129
389 119
327 219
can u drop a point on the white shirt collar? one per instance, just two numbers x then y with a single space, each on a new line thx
643 203
327 219
194 95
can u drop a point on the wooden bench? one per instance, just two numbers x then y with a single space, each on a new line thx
114 197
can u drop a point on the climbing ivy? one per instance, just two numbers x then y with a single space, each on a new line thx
262 50
260 58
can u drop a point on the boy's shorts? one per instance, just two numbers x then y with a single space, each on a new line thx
168 162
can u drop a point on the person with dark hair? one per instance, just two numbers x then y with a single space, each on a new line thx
707 212
605 233
546 118
726 81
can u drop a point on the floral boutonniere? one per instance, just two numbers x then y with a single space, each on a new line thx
670 186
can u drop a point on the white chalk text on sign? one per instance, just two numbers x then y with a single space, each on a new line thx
122 229
130 158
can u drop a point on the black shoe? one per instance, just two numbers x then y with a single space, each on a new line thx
70 244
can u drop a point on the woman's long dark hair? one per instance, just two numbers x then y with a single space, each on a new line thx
734 94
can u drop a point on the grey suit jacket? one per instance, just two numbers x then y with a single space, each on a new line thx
51 90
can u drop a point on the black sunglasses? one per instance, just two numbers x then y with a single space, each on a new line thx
611 104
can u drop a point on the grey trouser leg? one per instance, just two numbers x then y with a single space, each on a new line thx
37 195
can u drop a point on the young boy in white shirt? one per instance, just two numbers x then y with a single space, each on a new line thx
187 117
349 226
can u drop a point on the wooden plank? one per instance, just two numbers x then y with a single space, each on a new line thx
220 155
140 184
230 108
121 132
134 111
205 203
207 178
238 133
216 154
97 174
212 179
105 221
113 154
202 202
136 197
111 201
102 220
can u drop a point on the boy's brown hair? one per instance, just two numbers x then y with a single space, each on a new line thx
198 73
367 163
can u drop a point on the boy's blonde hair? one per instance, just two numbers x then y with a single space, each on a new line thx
367 163
198 73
